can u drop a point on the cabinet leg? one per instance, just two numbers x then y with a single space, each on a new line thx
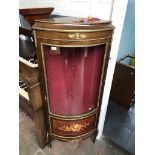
40 128
94 136
49 141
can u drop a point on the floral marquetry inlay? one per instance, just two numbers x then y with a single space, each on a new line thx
75 127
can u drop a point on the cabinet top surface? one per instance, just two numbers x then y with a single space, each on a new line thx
67 23
75 21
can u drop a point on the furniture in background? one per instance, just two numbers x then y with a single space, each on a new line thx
73 56
123 85
29 84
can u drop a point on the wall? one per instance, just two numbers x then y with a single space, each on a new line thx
127 43
79 8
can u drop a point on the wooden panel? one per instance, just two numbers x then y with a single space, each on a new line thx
74 43
73 35
123 85
35 96
69 128
40 128
30 75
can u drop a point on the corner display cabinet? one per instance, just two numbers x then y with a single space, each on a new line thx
73 56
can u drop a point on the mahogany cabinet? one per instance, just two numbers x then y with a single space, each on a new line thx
73 56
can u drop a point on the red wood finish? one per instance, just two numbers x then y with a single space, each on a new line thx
71 128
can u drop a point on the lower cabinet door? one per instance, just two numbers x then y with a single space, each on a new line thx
72 128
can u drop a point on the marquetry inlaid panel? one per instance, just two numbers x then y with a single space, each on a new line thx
72 127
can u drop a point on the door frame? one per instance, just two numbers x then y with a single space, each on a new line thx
118 12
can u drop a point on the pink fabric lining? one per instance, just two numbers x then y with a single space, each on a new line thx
73 76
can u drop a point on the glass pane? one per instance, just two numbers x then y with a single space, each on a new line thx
73 77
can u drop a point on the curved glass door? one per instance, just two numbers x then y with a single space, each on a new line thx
73 78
